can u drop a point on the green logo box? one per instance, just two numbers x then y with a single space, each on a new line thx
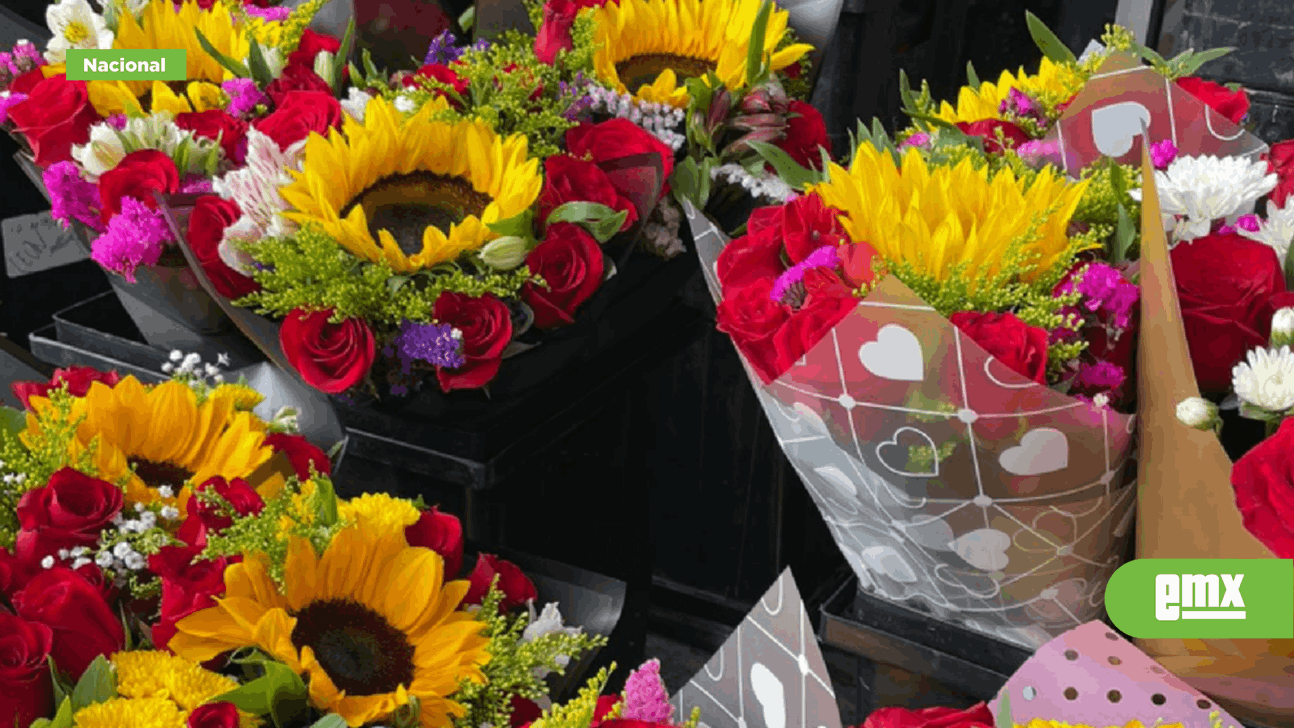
1203 598
139 64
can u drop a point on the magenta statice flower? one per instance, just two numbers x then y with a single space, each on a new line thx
195 185
25 57
1104 289
136 236
8 101
71 198
1249 223
243 96
1099 376
1017 102
1163 153
1036 151
824 257
269 15
117 121
646 698
921 139
437 344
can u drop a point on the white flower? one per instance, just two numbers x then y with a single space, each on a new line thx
122 550
79 563
147 520
117 519
103 152
1196 412
47 562
170 513
1199 190
1277 230
192 360
74 24
211 370
63 554
104 560
222 360
255 188
177 355
1266 379
1283 327
165 491
135 562
404 104
548 622
78 552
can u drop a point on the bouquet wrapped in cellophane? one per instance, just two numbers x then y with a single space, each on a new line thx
168 558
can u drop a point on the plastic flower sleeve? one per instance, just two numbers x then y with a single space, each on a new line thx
1105 119
1093 677
946 478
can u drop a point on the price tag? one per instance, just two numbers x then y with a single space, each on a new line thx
33 243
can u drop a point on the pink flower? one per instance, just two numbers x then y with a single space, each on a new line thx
1104 288
136 236
117 121
1099 376
920 139
1037 151
825 257
243 96
195 185
269 15
645 696
1248 223
70 196
11 99
1163 153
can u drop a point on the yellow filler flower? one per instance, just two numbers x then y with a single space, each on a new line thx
649 47
938 218
370 623
413 192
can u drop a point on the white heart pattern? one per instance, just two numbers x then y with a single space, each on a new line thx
894 442
771 695
1114 127
895 355
984 549
1042 450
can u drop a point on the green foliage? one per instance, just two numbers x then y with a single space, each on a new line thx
278 692
98 684
577 713
512 669
1109 209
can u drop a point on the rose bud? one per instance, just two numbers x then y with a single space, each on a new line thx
1197 412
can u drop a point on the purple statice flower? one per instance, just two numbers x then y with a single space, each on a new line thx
481 44
269 15
8 101
443 50
71 198
1104 288
136 236
117 121
24 58
1248 223
437 344
1018 103
920 139
1163 153
195 185
243 96
1099 376
646 698
824 257
1037 151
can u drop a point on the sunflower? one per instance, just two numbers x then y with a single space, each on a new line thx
1053 85
647 47
937 219
162 436
411 193
370 624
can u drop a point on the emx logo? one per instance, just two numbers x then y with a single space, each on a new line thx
1203 598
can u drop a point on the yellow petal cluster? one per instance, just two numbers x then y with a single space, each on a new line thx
1053 84
938 218
145 676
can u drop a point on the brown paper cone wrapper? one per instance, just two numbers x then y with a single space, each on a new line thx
1186 507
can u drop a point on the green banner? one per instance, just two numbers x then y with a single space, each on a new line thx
146 64
1203 598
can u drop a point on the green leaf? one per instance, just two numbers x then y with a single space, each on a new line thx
1003 717
63 718
579 212
1047 41
685 183
971 77
755 53
343 54
395 283
12 422
521 226
325 502
370 70
332 720
231 65
788 169
1150 55
1289 270
60 685
97 685
604 230
467 21
257 64
1192 63
278 693
705 182
1124 234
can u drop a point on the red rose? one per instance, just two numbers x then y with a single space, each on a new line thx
296 78
516 586
570 179
301 454
807 326
808 224
987 130
615 139
1263 480
207 223
214 715
805 132
77 378
68 511
97 579
330 357
524 711
486 325
1280 161
748 314
443 74
55 116
298 114
14 572
217 124
555 32
26 687
857 263
235 494
1019 346
1232 104
311 45
188 585
754 256
28 81
138 175
442 533
976 716
84 625
1224 283
570 262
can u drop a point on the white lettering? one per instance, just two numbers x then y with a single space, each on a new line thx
113 66
1199 590
1232 596
130 66
1166 587
88 65
163 65
153 67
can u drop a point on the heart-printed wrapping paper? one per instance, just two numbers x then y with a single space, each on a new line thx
946 478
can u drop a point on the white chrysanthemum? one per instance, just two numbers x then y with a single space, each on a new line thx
1199 190
1277 230
255 188
74 24
355 103
1266 379
104 151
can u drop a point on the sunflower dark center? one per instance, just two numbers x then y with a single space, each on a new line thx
155 474
638 71
357 647
406 204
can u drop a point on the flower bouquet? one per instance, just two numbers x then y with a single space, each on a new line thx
197 581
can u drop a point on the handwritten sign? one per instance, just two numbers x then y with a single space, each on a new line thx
33 243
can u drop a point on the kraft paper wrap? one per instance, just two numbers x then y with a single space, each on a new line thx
1186 505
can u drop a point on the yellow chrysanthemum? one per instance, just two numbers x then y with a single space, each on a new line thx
381 512
647 47
369 624
1052 85
153 674
166 436
411 193
118 712
938 218
1039 723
